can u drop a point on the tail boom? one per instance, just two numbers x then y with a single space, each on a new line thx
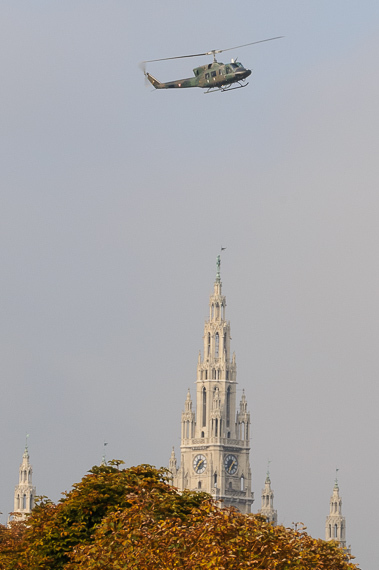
157 84
180 84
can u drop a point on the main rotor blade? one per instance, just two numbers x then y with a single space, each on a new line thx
178 57
212 52
244 45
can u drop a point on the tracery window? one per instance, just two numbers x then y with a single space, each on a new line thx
204 407
228 407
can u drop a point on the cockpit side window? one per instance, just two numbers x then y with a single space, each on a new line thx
228 69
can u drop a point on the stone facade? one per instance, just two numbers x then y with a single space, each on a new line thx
215 438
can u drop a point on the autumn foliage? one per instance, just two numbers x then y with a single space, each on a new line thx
133 519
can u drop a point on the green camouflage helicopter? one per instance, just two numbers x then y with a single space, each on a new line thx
215 76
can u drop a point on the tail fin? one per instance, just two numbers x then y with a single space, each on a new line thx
157 84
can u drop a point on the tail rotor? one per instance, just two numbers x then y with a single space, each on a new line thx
142 66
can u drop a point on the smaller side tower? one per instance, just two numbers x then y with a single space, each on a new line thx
335 527
267 509
24 493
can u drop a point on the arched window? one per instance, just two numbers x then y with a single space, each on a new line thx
228 407
18 502
230 485
215 480
31 501
330 531
204 407
199 485
335 531
228 434
24 501
209 343
217 311
224 344
212 311
217 344
202 434
216 428
242 483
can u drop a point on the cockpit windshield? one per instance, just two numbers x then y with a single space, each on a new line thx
236 65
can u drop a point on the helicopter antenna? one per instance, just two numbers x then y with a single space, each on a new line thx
212 52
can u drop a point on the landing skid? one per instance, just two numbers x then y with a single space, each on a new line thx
224 89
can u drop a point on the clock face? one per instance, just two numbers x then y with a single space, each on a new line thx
200 463
231 464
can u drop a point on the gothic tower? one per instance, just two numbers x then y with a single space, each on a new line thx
215 439
24 493
267 508
335 527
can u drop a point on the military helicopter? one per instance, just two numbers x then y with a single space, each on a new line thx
215 76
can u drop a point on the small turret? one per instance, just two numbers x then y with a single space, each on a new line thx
188 418
243 420
188 403
172 465
267 508
335 526
25 493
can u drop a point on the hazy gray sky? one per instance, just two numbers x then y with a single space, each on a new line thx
115 201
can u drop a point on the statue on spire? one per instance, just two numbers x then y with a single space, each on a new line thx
218 264
268 470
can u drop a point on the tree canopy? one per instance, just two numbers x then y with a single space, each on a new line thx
134 519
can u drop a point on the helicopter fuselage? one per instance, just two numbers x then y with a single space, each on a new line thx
213 75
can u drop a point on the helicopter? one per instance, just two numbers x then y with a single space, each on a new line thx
215 76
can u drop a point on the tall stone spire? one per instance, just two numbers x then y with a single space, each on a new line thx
215 439
335 527
24 493
267 509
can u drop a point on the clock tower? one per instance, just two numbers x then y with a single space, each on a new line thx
215 438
